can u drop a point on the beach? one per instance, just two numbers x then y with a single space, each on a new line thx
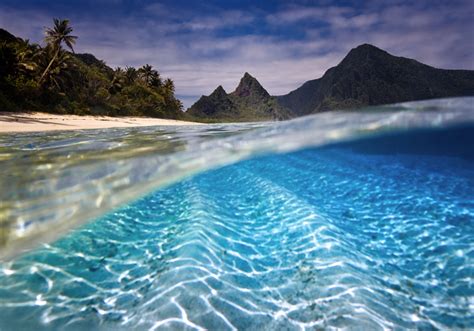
36 121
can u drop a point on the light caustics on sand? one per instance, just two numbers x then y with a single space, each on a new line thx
319 238
61 181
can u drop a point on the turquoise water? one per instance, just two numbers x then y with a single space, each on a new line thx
368 234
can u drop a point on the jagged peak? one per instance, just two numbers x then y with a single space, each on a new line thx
249 85
219 92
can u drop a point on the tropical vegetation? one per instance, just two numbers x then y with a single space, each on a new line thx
367 76
53 78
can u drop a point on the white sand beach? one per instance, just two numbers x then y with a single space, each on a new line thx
31 122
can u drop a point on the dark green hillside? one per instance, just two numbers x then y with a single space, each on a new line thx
217 105
249 102
366 76
55 79
371 76
6 36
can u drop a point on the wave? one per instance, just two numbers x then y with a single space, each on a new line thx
54 183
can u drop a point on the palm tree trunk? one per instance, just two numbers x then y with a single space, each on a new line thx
49 66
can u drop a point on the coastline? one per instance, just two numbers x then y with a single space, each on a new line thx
38 122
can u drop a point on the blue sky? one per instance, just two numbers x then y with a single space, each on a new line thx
203 44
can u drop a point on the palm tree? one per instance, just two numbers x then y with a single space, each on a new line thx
55 77
131 75
169 86
119 78
27 56
55 36
147 74
155 80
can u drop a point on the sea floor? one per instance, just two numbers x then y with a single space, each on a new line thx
316 239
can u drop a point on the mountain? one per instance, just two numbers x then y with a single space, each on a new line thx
218 104
249 102
371 76
366 76
6 36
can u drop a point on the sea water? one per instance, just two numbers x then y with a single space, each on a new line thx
362 220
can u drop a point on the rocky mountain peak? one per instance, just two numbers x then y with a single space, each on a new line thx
219 92
366 53
249 85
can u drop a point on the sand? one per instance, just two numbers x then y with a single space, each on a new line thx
31 122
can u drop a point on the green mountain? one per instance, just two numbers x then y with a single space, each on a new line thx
217 105
52 79
7 36
371 76
249 102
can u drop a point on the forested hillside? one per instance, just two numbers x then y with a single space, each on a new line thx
52 78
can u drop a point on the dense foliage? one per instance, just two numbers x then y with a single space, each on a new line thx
52 79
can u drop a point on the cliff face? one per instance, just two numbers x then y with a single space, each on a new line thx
371 76
217 105
366 76
249 102
249 87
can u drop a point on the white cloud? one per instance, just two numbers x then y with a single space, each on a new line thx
227 19
198 58
26 23
295 14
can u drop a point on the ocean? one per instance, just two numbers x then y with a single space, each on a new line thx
358 220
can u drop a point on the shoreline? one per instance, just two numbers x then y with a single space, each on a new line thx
40 122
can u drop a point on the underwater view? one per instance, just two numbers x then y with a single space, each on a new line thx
359 220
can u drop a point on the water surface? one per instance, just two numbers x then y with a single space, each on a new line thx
373 233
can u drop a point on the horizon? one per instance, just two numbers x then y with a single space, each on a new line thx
202 46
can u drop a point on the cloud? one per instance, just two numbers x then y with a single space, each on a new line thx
282 48
227 19
25 23
297 14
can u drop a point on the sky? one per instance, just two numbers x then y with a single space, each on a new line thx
203 44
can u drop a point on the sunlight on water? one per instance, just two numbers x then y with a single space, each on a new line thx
314 239
63 180
364 234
